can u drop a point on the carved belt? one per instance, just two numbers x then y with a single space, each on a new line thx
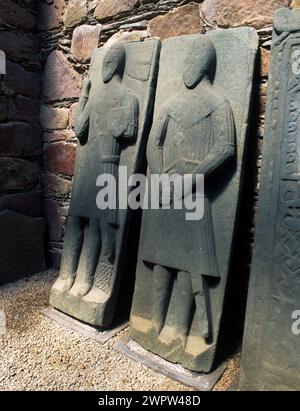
110 159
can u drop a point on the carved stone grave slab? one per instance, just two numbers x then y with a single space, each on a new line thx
113 121
271 348
200 127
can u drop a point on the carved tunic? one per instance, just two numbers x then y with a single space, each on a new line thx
103 128
192 136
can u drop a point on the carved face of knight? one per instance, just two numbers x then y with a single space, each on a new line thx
114 63
200 62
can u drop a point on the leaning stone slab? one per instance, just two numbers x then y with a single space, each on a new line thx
200 127
21 246
271 351
113 121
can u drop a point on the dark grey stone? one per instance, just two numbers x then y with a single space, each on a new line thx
113 122
21 246
271 352
200 125
201 382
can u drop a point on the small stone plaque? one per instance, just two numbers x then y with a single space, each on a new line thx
21 246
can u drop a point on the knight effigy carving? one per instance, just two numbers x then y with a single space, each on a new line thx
180 260
111 129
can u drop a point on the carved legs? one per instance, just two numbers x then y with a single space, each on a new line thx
73 240
179 294
105 266
89 259
97 260
108 233
185 300
162 283
201 307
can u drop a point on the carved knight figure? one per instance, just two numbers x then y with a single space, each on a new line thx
104 127
193 134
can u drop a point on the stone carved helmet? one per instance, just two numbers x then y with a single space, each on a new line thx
114 62
200 62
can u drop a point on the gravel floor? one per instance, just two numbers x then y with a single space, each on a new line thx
38 354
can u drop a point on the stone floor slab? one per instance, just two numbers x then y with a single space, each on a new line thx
95 333
200 382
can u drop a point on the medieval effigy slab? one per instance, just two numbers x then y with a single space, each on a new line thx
271 349
21 246
200 128
113 122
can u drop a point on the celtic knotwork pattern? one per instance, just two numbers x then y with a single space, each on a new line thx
103 276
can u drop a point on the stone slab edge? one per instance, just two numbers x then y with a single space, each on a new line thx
200 382
86 330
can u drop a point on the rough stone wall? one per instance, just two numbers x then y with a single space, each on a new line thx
20 134
70 30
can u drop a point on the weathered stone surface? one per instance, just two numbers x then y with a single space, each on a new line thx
29 204
264 62
295 4
73 113
20 140
231 13
200 127
17 174
3 108
21 81
75 13
84 41
58 135
54 184
60 158
21 246
110 8
20 46
53 220
271 349
263 89
50 14
183 20
54 118
122 36
60 80
118 98
23 109
15 15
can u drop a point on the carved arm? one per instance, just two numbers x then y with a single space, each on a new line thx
83 114
155 145
132 128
